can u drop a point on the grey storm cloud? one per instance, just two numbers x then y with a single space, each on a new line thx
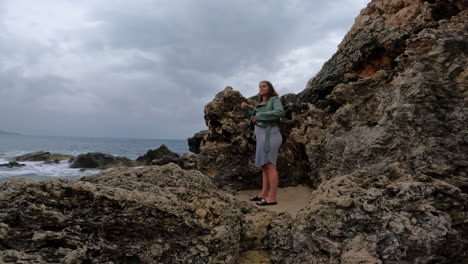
145 69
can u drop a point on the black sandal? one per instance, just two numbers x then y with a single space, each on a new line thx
264 202
255 198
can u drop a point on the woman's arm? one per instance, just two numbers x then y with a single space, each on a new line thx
276 113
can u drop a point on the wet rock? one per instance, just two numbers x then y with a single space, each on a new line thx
100 161
156 154
52 162
129 215
195 141
12 164
42 156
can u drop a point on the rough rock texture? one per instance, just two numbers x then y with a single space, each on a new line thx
380 133
195 141
391 162
188 161
43 156
382 128
156 154
148 215
227 153
100 161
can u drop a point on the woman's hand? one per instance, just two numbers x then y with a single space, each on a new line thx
244 105
254 120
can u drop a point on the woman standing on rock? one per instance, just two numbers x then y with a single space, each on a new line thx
265 116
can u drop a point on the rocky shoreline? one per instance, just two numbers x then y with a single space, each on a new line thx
379 134
95 160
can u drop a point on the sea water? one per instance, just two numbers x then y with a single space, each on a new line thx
15 145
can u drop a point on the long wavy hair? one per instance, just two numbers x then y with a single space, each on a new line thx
271 91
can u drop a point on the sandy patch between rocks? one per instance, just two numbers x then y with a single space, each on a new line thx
290 199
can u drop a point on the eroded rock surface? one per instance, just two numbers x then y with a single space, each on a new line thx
383 130
156 214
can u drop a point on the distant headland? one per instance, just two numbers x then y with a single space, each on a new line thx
8 133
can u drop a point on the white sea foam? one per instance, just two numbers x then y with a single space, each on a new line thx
39 168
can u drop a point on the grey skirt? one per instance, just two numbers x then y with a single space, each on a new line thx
262 157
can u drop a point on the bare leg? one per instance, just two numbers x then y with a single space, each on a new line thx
265 183
273 182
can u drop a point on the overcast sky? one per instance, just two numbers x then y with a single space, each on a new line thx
146 68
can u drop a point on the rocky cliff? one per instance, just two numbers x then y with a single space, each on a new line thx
380 134
383 130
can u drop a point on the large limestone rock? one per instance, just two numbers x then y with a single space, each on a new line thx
227 153
391 161
383 130
413 112
156 214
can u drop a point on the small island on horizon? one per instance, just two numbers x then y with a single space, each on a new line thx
8 133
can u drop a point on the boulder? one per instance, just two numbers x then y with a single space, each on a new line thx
100 161
195 141
155 214
12 164
155 154
42 156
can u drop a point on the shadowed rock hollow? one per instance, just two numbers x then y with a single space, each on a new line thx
379 133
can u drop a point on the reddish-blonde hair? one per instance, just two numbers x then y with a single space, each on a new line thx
271 91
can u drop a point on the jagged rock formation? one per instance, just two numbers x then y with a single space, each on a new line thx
148 215
163 152
163 155
383 126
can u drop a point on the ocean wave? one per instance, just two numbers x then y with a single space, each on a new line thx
41 169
